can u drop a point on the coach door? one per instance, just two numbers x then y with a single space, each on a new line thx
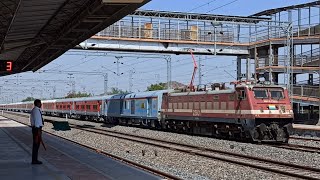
133 106
149 107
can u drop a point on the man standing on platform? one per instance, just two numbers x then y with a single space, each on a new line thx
36 122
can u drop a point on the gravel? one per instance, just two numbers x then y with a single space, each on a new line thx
184 165
306 142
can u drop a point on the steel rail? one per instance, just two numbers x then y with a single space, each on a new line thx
305 139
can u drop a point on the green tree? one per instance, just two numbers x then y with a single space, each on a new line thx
115 90
154 87
77 95
28 99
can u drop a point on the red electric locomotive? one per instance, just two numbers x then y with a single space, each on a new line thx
258 112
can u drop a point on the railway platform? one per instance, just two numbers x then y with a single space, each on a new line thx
61 159
306 130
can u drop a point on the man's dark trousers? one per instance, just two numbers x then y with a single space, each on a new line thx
36 132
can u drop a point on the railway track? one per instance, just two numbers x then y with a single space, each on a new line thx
284 168
305 139
118 158
297 147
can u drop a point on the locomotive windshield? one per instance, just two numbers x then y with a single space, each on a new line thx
276 94
260 93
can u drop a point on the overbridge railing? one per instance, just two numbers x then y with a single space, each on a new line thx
306 91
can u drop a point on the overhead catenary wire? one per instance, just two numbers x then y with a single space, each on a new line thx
222 6
200 6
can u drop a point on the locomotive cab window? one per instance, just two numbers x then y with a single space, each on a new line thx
276 94
260 93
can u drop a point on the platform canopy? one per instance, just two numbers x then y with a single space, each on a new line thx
35 32
270 12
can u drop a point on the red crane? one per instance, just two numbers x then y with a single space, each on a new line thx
195 67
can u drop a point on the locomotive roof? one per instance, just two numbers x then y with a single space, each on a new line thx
261 85
226 91
146 94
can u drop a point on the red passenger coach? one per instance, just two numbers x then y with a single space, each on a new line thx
250 111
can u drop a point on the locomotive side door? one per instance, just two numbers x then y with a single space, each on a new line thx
241 96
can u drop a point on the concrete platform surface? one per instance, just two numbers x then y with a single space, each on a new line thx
15 161
62 159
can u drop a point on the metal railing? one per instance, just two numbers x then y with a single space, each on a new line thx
201 30
306 91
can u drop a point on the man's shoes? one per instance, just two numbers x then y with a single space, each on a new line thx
36 162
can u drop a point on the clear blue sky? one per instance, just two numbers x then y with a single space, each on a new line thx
146 72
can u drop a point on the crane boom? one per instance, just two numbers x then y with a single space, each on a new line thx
195 67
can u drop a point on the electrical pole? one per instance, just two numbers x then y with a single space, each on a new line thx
105 83
54 92
72 83
157 76
131 72
168 59
200 75
118 68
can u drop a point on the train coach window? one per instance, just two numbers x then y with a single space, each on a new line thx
142 106
77 106
276 94
95 107
82 106
88 106
68 106
260 93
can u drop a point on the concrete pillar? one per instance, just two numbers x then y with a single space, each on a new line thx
310 79
275 77
294 78
239 68
248 69
318 124
311 109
